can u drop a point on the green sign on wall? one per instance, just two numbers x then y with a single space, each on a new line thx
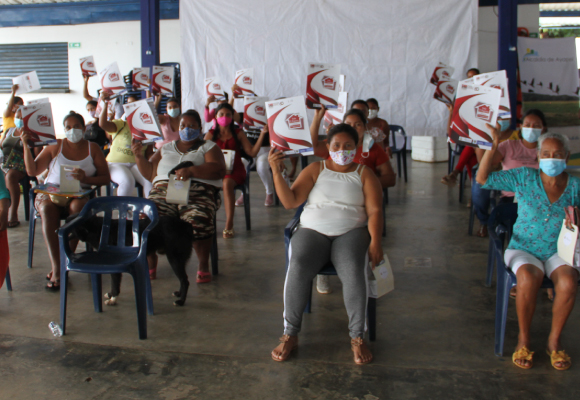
75 45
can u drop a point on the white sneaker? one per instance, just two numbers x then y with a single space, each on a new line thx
323 284
240 201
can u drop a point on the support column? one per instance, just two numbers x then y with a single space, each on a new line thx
149 33
507 48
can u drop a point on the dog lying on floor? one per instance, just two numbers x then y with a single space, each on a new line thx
171 236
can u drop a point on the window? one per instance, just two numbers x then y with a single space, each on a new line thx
49 60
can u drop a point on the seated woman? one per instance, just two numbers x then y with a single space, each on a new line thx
533 251
342 222
94 133
516 149
228 137
13 166
206 176
379 123
170 121
90 169
124 171
376 158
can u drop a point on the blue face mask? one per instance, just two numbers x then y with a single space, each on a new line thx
18 122
504 124
552 166
189 134
174 112
531 135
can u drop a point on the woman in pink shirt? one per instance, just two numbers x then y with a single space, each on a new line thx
524 152
169 122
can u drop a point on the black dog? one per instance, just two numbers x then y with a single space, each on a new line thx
171 236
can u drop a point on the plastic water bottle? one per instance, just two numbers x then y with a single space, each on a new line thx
55 329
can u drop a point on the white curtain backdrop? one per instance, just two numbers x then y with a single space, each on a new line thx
387 49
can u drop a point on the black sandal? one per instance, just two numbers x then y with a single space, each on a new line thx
49 276
53 286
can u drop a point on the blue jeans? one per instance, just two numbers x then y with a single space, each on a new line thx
480 199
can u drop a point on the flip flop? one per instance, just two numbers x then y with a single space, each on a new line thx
285 339
559 356
53 286
523 354
13 224
228 233
203 277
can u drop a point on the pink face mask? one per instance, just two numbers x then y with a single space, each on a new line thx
224 121
343 157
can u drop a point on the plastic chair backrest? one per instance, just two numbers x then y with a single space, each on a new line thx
122 206
398 138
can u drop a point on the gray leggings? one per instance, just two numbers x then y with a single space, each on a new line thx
309 252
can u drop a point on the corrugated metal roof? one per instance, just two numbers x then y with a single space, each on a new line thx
559 7
17 2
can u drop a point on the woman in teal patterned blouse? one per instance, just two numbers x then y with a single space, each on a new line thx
542 196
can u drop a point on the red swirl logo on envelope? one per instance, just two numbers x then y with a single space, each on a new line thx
294 121
113 77
483 111
260 110
43 120
166 78
146 118
247 80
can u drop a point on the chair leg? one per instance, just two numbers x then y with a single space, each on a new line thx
140 302
372 318
471 219
148 291
31 230
404 154
461 183
97 283
8 281
399 163
501 307
246 194
140 191
214 251
26 200
490 263
63 299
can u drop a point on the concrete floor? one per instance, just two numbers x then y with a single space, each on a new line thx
434 334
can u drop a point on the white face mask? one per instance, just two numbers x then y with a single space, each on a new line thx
74 135
373 114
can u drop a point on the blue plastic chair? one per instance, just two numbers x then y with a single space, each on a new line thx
111 258
401 152
112 186
328 269
500 223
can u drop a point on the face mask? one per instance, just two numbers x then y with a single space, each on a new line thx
92 113
552 166
18 122
74 135
224 121
343 157
504 124
174 112
373 114
189 134
531 135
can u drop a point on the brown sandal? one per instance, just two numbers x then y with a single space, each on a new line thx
284 339
357 343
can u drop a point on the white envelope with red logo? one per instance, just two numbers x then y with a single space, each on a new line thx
442 72
255 113
177 191
68 184
445 91
88 67
143 120
322 85
162 80
140 78
38 120
245 80
475 106
336 115
26 83
213 87
288 126
111 79
498 80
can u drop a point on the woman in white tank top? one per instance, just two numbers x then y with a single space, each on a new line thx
90 169
342 222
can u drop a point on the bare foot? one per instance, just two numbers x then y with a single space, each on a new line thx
362 354
284 349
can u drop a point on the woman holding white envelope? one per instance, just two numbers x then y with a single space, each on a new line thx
89 167
543 194
342 222
204 173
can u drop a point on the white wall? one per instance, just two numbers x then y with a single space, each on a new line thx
528 17
107 42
